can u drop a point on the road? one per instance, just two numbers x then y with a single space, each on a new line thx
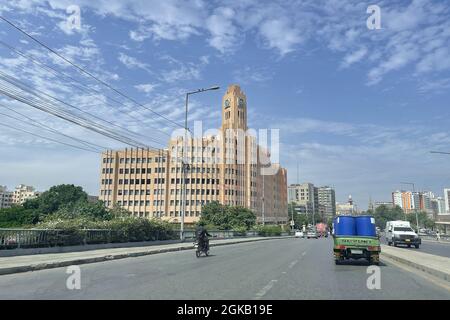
427 246
274 269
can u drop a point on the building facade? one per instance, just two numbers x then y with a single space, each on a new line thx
327 199
447 200
6 197
405 200
22 193
227 167
304 197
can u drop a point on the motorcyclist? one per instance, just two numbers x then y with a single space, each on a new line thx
202 237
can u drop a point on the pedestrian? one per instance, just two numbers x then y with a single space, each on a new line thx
438 236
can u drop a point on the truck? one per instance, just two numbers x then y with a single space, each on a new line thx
400 232
321 229
356 246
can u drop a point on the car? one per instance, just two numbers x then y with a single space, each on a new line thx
312 234
299 234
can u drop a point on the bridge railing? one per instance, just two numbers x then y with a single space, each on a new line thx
37 238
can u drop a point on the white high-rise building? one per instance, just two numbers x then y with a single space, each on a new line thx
447 200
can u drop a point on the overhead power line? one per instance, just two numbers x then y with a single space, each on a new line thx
49 106
46 138
40 125
63 114
81 69
80 86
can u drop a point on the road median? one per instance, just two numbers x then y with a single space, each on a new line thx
18 264
437 266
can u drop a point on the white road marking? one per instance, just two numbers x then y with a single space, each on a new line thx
303 254
264 290
293 263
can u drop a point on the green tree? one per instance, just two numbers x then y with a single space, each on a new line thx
383 213
17 216
424 220
57 196
94 211
227 217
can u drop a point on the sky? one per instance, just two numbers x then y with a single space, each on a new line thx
358 109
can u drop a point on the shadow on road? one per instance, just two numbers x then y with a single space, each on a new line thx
352 262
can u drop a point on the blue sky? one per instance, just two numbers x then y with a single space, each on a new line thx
358 109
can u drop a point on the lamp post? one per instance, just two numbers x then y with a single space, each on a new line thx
415 210
185 161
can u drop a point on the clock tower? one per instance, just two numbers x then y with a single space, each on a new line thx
234 109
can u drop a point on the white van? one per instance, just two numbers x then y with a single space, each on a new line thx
400 232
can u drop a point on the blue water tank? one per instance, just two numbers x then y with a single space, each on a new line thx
365 226
344 226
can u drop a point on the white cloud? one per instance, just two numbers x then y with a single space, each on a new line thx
146 87
133 63
353 57
279 34
223 31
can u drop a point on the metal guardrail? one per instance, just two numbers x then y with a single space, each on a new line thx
37 238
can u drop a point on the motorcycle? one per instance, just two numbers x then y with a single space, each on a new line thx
199 251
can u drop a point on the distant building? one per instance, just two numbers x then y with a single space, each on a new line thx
348 208
388 204
327 200
304 197
92 198
6 197
438 205
23 193
405 200
447 200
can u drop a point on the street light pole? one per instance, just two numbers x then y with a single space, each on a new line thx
185 161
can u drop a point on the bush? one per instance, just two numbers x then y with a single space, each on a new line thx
268 230
126 229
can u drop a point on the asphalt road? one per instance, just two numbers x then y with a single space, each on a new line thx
274 269
427 246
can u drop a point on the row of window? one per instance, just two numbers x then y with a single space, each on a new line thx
195 181
107 181
196 170
189 202
141 192
142 160
156 203
141 170
140 203
142 181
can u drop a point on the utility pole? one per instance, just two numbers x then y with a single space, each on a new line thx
263 217
184 156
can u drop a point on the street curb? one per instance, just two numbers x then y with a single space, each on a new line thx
437 273
109 257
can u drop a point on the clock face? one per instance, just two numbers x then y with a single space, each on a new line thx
227 103
241 103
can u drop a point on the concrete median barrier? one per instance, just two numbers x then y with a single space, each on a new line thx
437 266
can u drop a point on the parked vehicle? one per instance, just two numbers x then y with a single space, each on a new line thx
312 234
400 232
355 238
299 234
